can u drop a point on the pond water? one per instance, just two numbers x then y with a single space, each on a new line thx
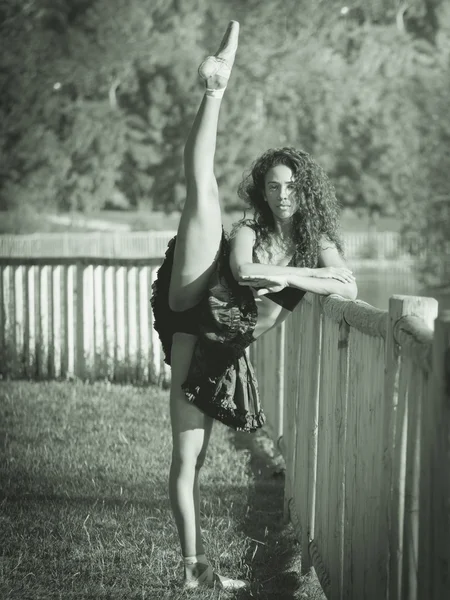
377 284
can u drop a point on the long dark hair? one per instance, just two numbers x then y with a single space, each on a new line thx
317 216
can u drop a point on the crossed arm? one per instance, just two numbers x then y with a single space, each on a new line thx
331 277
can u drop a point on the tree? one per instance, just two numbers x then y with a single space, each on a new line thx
99 96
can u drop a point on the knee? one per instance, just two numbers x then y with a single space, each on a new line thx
184 463
188 463
200 461
177 301
202 191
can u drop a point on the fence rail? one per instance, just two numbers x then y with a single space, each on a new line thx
152 244
365 421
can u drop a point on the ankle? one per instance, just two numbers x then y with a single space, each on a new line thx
197 574
216 82
195 558
214 93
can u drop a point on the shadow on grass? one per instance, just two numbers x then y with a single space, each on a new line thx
274 553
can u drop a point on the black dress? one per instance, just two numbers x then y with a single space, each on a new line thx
221 381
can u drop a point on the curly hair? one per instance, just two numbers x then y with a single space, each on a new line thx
318 213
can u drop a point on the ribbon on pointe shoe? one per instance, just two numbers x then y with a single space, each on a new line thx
209 578
213 66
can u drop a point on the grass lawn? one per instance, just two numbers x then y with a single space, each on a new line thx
84 508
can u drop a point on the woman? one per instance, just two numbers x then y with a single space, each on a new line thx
214 296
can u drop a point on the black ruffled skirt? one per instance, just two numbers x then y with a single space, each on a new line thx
221 380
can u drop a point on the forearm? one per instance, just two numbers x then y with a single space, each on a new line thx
319 285
262 270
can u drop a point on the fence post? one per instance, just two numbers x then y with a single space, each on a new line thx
392 499
434 526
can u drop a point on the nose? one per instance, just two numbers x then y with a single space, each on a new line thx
283 193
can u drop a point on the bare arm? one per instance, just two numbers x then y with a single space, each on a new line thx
328 257
243 267
331 277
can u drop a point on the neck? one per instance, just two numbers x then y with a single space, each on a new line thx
283 227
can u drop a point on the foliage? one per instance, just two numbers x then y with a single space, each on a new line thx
98 96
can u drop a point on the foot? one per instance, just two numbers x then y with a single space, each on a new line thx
216 70
199 575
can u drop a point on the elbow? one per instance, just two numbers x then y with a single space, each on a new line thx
351 291
348 291
241 272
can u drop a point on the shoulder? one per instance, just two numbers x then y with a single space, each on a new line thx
325 243
246 233
329 254
244 230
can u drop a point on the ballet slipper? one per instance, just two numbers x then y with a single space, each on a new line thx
216 70
208 578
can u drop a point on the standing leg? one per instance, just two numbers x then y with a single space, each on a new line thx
191 430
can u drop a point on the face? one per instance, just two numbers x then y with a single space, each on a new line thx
279 192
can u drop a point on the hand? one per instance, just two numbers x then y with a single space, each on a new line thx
340 273
265 285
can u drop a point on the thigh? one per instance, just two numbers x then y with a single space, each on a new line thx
191 428
197 247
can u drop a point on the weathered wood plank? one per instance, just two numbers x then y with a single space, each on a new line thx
403 311
434 525
307 411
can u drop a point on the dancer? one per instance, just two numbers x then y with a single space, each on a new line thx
214 296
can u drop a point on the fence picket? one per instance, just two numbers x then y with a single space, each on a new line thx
108 312
56 330
132 322
120 324
7 304
307 411
143 331
70 302
155 345
44 325
99 322
31 320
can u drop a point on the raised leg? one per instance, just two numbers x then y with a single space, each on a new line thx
200 228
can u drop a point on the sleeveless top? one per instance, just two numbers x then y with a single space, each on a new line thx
288 297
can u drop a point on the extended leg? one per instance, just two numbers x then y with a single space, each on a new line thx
200 228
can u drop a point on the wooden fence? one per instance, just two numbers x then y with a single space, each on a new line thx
359 403
86 318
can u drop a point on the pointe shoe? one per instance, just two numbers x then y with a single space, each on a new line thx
204 576
216 70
